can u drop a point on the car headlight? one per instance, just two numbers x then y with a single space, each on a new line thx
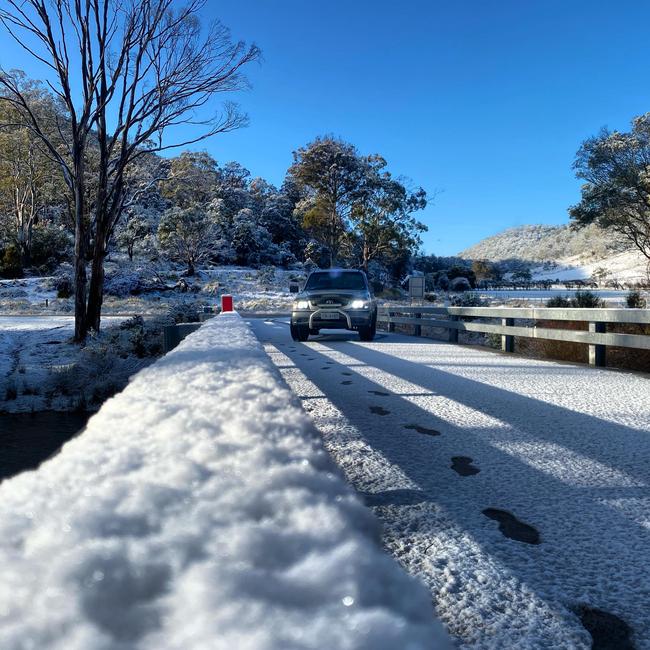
358 304
301 304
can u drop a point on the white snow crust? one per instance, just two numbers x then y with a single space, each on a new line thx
562 447
199 510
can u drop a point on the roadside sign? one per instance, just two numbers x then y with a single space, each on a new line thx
416 286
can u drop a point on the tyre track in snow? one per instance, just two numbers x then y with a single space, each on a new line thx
556 521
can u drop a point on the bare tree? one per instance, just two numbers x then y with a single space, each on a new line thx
127 72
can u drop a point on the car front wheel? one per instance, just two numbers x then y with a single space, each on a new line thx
299 332
368 333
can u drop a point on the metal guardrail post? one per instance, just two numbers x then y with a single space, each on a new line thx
507 340
453 332
417 329
598 353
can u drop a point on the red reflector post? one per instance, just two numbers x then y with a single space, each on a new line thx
226 303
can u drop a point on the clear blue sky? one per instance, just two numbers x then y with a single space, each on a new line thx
485 101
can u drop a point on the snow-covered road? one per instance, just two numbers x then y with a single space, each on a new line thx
517 489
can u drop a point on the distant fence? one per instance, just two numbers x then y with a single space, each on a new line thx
597 337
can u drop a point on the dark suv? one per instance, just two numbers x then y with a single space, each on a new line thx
334 299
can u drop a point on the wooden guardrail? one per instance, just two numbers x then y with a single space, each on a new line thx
596 337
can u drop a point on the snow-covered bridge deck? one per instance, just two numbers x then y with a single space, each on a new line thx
517 489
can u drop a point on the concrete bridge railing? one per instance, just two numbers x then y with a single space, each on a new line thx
597 336
199 509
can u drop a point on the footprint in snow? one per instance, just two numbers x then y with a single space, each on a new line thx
379 410
426 431
349 374
608 631
463 465
511 527
325 368
381 393
347 382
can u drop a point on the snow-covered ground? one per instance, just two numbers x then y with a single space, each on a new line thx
628 267
456 448
200 510
33 350
29 295
253 290
265 290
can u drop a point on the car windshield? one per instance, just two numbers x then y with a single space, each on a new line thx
332 280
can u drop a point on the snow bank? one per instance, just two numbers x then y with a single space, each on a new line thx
200 510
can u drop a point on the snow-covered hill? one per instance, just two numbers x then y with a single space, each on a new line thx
540 243
629 267
565 254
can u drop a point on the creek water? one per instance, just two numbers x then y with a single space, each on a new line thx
28 439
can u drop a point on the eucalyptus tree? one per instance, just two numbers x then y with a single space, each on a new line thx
616 194
30 188
330 174
127 72
382 214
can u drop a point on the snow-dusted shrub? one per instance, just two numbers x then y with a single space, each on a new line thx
460 284
10 262
51 244
469 299
441 281
103 366
62 281
634 300
586 300
132 278
266 275
559 301
186 311
212 288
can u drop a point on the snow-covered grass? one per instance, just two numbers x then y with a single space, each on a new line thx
200 510
253 289
42 369
132 287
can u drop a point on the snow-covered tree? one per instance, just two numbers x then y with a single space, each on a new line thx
189 235
330 173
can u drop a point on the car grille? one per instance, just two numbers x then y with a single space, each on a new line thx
330 301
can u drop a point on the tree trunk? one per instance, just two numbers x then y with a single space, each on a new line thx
80 322
80 279
96 289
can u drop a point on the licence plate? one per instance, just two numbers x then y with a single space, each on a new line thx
329 315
